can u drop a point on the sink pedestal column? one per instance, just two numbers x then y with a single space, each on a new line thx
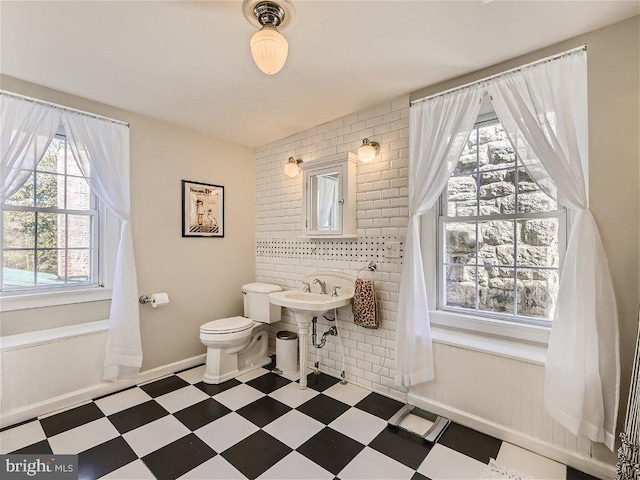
304 322
303 333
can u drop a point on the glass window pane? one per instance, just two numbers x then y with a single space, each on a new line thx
53 159
24 196
78 194
462 196
490 180
50 267
49 190
496 289
72 165
460 242
79 231
460 286
530 197
538 244
496 242
497 192
500 154
473 150
18 268
51 230
494 149
537 295
78 266
472 142
19 230
468 162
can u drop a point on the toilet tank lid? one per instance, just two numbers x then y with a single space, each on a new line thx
258 287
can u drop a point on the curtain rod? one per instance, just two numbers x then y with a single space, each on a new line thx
62 107
506 72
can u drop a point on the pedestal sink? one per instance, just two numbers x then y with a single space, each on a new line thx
305 306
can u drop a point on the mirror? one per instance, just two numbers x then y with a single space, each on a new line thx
326 211
329 196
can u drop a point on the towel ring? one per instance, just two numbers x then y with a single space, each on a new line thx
371 266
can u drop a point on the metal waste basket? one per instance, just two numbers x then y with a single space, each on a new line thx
286 351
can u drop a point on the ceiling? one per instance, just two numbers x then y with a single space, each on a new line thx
189 62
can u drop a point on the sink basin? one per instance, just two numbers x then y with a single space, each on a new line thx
305 306
310 302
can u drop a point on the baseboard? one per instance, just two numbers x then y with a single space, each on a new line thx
76 397
588 465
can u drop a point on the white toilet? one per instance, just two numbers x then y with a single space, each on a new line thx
237 345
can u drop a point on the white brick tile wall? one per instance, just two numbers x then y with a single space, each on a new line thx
283 257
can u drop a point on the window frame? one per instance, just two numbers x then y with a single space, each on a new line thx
494 324
105 228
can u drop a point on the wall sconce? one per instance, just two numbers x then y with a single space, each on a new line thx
292 169
368 151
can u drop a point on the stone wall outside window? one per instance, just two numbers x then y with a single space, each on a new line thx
489 180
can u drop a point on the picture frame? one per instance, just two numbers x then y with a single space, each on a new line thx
202 209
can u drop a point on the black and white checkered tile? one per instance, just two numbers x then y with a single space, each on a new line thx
260 425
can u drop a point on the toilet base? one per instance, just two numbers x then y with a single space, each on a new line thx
226 363
216 379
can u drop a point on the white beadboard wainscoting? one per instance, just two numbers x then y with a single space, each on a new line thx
502 397
55 369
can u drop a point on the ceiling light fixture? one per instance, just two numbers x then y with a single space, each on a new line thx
368 151
269 48
292 168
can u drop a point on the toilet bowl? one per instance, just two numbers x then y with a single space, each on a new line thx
238 345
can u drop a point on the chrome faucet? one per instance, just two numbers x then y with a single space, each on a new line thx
306 287
334 292
323 286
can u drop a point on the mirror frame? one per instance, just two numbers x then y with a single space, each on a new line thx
345 164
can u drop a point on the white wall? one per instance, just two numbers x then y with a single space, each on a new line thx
282 257
203 276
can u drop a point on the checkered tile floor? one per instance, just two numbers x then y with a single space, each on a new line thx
260 425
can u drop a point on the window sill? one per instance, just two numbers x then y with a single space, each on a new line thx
11 301
526 343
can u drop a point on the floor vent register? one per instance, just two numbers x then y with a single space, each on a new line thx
419 422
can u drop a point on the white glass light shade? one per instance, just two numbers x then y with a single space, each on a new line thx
291 169
269 49
366 153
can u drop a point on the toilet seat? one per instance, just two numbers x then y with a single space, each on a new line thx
227 325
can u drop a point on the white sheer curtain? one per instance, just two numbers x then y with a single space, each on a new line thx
438 130
101 149
544 111
26 130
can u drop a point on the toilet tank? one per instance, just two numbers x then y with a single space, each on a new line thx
256 302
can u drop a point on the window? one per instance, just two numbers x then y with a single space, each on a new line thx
50 227
500 237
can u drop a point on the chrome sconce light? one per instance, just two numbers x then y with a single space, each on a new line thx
269 48
292 167
368 151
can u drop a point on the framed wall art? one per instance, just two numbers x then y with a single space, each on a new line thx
202 209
